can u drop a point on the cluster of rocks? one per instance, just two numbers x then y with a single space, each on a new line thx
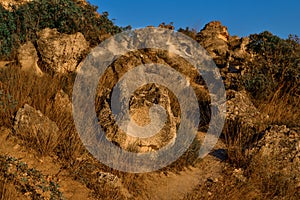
277 154
58 53
62 53
280 148
229 52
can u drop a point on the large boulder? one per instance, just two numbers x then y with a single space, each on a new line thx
139 108
239 105
36 129
61 53
28 58
142 99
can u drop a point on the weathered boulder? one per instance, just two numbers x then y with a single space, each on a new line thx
28 58
279 152
139 108
36 129
143 99
61 53
239 105
243 119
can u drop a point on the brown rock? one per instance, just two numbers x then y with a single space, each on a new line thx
61 52
36 129
28 58
214 38
278 150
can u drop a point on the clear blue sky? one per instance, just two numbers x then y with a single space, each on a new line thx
241 17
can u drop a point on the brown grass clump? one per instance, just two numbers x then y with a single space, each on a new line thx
7 190
39 92
283 108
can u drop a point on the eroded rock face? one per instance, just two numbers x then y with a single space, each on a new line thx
28 58
279 149
139 107
214 38
242 115
228 52
61 53
239 105
33 127
142 100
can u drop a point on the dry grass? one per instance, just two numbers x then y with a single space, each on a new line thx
259 184
261 181
39 92
238 139
283 108
7 190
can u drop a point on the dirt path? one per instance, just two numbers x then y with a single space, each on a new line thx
172 186
71 189
175 186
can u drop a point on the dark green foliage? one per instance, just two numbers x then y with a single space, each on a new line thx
22 23
276 65
7 28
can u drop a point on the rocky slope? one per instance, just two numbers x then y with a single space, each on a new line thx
37 129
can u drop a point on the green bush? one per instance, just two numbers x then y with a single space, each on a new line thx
22 23
276 65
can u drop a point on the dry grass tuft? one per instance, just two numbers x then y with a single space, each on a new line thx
283 108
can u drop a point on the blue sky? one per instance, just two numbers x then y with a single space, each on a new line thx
241 17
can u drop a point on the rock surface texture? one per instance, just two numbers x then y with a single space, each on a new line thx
31 125
28 58
61 53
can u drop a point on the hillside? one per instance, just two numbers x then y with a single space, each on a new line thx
46 45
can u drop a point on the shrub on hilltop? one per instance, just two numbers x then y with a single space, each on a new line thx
276 66
21 24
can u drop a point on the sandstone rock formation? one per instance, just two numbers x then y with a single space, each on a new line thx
61 53
28 58
243 120
143 99
214 38
239 105
228 52
31 125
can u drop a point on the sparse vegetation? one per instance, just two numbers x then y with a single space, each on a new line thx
27 180
271 76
